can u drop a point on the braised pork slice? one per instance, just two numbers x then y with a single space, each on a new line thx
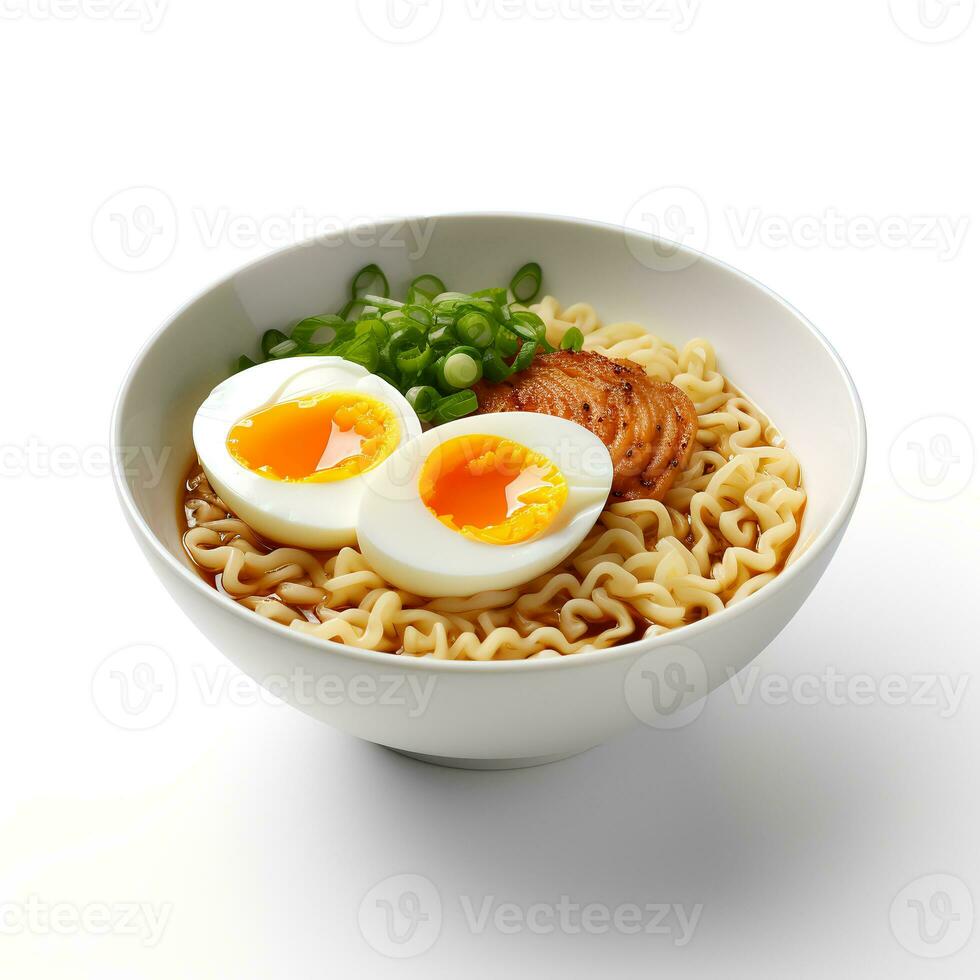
649 425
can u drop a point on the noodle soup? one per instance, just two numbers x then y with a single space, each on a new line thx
724 511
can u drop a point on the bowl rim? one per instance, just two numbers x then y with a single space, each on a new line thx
673 637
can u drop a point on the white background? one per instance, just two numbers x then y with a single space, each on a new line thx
793 822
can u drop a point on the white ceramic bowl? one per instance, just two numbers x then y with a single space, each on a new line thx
493 715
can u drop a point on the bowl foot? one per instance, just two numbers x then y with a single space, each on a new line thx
440 760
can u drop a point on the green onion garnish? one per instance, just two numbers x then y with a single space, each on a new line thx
496 296
450 298
349 307
371 279
408 333
526 282
506 343
525 355
475 328
382 302
377 328
433 346
286 348
573 339
410 362
455 406
495 368
304 331
522 329
444 336
423 399
420 314
364 351
270 339
426 287
462 367
531 323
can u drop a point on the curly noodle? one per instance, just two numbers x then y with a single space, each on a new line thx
724 530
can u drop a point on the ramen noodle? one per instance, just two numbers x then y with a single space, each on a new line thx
724 529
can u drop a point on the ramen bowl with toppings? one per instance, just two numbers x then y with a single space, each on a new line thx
484 525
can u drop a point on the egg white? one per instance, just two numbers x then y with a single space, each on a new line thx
305 515
411 548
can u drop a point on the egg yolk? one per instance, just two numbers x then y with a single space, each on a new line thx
492 489
320 438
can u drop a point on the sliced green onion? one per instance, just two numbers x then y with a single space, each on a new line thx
304 331
377 328
495 368
531 321
535 323
456 308
412 361
368 280
438 376
345 333
444 336
382 302
526 282
345 313
506 343
523 329
430 375
451 296
399 322
244 363
286 348
462 367
525 355
475 328
423 399
418 313
270 339
455 406
495 295
435 344
408 334
363 350
573 339
426 286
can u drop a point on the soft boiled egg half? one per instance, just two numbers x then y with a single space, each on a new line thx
288 445
485 502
